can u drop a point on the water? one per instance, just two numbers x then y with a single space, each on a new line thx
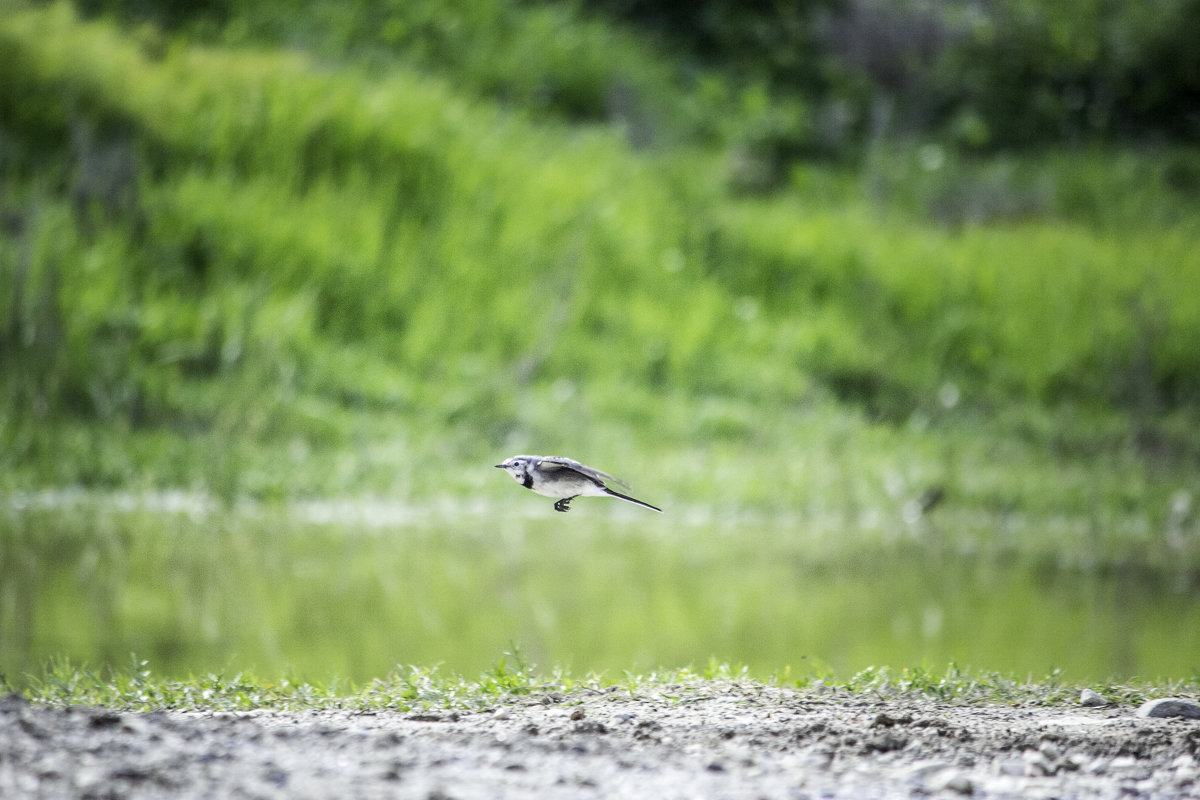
350 589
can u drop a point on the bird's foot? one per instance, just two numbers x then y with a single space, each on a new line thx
563 505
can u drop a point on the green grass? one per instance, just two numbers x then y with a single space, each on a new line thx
135 687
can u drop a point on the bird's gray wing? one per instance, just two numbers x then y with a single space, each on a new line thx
561 462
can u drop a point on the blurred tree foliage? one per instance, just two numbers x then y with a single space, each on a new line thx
775 82
985 73
173 14
981 74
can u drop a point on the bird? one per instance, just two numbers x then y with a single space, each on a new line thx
565 479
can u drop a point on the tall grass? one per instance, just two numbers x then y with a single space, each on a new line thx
290 218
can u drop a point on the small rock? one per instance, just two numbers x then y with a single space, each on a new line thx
277 776
1187 775
12 702
922 771
1050 750
578 714
88 778
1075 761
135 724
1091 698
1169 707
884 743
105 719
953 780
1037 765
884 720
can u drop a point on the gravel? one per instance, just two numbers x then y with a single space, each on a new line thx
711 740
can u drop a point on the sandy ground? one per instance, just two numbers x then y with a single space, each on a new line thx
709 740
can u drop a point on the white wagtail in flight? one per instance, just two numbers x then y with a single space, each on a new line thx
564 478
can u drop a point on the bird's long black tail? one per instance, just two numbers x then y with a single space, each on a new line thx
633 500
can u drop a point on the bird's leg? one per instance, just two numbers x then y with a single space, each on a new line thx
564 504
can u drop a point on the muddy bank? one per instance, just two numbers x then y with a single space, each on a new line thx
706 740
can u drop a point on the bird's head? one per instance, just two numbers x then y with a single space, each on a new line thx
518 467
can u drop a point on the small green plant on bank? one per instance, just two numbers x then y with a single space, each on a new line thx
409 689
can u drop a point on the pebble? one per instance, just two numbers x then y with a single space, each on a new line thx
1049 750
1076 761
12 703
1187 775
1037 764
935 776
1169 707
1091 698
953 780
1184 762
923 770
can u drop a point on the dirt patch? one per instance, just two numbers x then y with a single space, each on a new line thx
706 740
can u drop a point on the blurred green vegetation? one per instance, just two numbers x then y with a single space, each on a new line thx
301 249
980 75
248 241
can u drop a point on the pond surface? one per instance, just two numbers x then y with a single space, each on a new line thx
351 589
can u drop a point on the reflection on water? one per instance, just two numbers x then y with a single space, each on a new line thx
353 588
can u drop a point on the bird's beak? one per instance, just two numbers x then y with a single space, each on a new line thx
498 466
